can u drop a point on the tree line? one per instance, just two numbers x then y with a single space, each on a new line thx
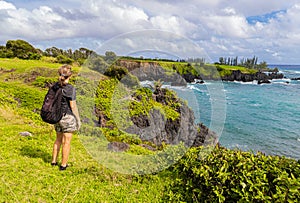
23 50
245 62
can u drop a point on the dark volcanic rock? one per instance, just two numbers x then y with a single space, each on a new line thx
205 136
266 81
237 75
183 129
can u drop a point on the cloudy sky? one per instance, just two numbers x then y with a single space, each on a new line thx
268 29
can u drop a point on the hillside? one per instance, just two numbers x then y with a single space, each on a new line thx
27 175
214 174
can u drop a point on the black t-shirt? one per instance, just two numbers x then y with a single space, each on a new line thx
69 94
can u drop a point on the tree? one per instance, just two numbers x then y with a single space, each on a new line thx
97 63
221 60
53 51
110 57
22 49
263 65
4 53
115 71
64 59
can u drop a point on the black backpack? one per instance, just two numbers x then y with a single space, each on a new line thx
52 111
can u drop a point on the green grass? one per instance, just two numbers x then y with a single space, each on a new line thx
27 176
26 173
23 65
241 68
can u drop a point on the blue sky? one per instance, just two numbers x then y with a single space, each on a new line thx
265 18
269 29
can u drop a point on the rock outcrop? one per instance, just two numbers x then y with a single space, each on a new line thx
158 129
152 71
237 75
205 136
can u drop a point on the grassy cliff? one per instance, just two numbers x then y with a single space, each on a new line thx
27 176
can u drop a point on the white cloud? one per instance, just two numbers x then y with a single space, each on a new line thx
219 26
6 6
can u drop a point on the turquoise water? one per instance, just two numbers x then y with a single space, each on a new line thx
262 118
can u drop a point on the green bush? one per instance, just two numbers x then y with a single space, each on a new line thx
21 49
117 72
42 82
234 176
64 59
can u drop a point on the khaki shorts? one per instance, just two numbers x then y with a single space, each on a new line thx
67 124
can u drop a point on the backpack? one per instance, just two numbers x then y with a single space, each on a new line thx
52 111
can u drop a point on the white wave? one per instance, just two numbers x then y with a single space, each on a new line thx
298 139
255 105
205 83
283 79
176 87
290 71
193 87
254 82
281 83
146 83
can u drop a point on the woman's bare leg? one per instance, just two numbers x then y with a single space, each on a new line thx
66 141
56 146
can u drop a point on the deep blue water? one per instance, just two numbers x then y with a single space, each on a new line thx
255 117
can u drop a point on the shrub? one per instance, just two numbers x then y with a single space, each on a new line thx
234 176
117 72
64 59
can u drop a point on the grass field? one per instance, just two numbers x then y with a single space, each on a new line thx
26 173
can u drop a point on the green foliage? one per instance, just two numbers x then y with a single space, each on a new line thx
235 176
64 59
115 71
116 135
43 82
180 67
22 49
104 95
161 160
110 57
4 53
69 56
26 99
143 103
96 63
139 150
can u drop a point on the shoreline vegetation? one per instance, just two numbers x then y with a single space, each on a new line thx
131 120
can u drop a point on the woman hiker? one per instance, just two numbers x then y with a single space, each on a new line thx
70 121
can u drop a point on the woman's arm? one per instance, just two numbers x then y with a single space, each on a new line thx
74 109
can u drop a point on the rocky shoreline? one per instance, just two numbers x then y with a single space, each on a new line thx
153 71
155 127
261 77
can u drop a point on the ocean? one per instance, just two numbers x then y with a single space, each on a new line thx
249 116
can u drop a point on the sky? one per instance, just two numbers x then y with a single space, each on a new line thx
267 29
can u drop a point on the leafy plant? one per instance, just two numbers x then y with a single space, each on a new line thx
235 176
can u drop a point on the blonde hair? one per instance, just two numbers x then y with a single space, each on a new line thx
65 71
